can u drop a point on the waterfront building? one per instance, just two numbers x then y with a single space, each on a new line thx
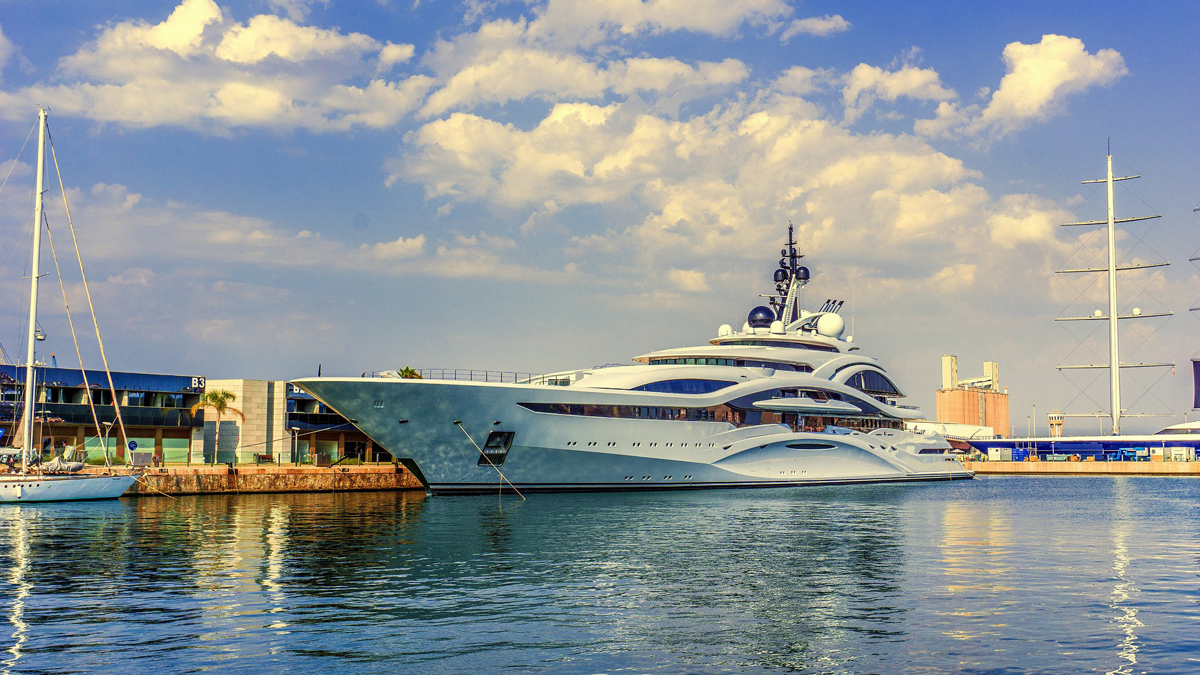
977 401
155 409
282 424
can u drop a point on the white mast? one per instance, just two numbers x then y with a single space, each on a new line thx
30 379
1114 370
1114 353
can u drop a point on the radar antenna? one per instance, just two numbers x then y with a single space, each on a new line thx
789 279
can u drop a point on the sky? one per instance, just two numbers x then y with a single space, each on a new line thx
263 188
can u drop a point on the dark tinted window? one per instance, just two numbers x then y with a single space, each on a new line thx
873 383
684 386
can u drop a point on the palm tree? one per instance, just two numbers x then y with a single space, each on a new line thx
219 402
408 373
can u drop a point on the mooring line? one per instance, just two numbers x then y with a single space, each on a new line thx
459 424
139 479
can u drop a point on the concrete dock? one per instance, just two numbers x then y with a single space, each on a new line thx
1085 468
223 479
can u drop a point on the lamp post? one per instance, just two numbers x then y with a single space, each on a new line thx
294 457
107 428
1034 416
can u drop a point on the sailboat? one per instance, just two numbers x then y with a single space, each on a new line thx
1178 442
53 482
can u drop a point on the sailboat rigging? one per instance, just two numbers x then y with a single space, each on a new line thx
38 484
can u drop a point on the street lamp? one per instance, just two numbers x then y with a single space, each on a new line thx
1034 417
107 427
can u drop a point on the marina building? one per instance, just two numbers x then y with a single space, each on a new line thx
281 423
155 410
977 401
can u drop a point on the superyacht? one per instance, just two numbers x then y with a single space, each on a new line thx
787 400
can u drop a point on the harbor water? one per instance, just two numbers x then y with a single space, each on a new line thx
996 575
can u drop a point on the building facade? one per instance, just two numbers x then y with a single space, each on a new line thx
155 409
281 423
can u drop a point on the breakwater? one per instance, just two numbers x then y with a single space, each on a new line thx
224 479
1086 468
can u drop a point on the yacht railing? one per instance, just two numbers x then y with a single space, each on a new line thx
468 375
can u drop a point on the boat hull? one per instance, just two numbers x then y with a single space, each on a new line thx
438 429
16 488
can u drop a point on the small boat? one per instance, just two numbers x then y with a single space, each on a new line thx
59 479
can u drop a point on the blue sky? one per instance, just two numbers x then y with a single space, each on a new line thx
264 186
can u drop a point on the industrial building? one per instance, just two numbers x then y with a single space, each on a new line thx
976 401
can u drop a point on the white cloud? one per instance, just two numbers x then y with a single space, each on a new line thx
717 186
7 49
867 84
402 247
393 54
265 35
200 69
1022 218
296 10
587 22
801 81
1039 77
122 229
816 25
691 281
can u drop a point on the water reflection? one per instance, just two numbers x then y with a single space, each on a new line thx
987 576
19 586
1124 589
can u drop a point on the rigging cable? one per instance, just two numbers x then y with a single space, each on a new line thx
71 322
112 389
458 423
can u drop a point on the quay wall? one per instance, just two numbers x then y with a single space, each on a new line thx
202 480
1086 468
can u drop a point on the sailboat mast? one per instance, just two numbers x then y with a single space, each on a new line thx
1114 353
30 379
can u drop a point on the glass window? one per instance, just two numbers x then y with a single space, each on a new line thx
684 386
874 383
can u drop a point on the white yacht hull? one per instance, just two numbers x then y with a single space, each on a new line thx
415 420
54 488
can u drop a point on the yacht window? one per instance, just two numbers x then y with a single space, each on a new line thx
685 386
693 361
873 383
781 343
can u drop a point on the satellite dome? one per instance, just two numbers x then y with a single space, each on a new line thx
760 317
802 274
831 325
781 275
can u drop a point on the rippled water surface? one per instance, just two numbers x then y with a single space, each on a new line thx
997 575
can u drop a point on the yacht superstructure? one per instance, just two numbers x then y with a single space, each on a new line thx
785 400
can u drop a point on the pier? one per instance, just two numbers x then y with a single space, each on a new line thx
225 479
1084 468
